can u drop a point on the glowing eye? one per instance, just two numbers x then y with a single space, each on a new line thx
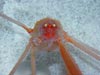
54 25
45 25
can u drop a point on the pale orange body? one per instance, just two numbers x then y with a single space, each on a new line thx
44 40
58 36
48 35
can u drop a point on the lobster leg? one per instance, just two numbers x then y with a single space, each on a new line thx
16 22
32 52
70 64
87 49
20 59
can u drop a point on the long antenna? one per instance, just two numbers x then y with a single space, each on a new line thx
14 21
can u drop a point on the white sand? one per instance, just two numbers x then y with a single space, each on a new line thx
80 18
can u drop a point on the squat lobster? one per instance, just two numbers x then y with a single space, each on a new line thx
47 35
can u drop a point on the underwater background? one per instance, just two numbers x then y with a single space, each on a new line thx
79 18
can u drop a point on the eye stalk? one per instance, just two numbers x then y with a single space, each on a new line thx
54 25
45 25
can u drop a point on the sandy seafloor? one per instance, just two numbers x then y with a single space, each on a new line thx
80 18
